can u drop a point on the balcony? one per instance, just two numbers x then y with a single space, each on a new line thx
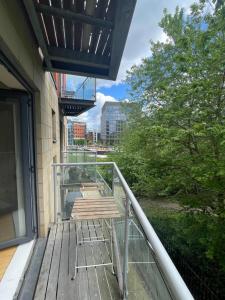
81 37
101 245
80 98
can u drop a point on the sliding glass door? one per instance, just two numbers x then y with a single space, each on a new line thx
17 209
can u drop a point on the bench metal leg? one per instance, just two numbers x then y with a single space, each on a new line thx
111 244
76 267
76 254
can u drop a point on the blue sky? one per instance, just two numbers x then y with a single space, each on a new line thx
118 91
144 27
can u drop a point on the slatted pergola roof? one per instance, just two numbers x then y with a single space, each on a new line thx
85 37
75 107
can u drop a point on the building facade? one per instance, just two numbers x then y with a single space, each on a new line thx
113 119
92 137
79 130
35 48
70 135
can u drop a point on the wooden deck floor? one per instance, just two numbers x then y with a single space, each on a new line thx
57 268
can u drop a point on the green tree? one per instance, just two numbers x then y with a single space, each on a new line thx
175 141
176 137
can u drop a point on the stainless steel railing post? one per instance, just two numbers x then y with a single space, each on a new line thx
126 245
55 192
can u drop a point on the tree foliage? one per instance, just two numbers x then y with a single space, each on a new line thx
176 137
175 141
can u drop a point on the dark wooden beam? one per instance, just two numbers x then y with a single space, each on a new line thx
31 12
70 108
76 101
81 70
123 16
76 69
76 57
70 15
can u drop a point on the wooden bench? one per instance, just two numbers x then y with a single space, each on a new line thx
92 209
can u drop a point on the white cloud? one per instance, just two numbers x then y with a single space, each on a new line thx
93 116
144 27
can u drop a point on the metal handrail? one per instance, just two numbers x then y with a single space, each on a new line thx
103 180
68 93
82 84
79 151
173 277
174 280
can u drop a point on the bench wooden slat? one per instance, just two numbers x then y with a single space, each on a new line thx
96 217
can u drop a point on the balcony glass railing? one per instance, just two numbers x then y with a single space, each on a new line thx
80 88
79 156
142 265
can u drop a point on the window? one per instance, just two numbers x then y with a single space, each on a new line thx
53 126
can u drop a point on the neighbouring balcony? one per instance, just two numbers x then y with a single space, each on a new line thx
79 96
101 245
71 156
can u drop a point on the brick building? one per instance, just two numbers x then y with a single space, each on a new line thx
79 130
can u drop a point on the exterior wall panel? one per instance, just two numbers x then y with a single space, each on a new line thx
18 44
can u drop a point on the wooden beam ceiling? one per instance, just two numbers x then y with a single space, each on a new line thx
70 15
81 37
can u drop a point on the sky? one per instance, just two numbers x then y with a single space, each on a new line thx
144 27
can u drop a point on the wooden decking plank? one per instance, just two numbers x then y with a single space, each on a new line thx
54 271
94 292
45 268
104 252
73 284
63 280
93 283
104 290
72 245
82 278
92 232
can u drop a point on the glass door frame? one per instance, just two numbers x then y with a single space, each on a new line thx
28 164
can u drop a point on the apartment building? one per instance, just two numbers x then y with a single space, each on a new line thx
70 135
93 136
79 130
113 119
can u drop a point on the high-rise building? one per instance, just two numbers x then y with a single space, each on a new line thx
113 119
70 135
